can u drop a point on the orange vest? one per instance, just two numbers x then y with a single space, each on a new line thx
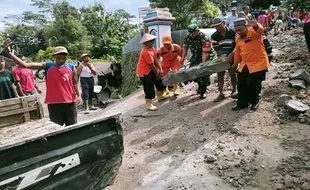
251 51
171 56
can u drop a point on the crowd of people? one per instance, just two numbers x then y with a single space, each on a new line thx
63 83
240 36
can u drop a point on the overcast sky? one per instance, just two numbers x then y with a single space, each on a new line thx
18 6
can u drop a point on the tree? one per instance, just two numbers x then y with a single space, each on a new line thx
68 30
109 31
265 4
28 39
185 11
297 4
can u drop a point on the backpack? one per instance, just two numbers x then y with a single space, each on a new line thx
267 45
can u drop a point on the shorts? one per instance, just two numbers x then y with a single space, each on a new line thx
61 114
279 24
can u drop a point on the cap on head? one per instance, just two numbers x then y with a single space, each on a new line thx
234 8
84 55
147 37
241 14
192 28
240 22
216 22
166 39
60 50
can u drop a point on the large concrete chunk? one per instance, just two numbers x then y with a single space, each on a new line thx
297 84
296 107
301 74
210 67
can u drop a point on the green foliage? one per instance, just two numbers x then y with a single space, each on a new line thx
265 4
130 80
303 5
185 11
90 29
45 55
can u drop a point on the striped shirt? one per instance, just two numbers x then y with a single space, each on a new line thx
226 44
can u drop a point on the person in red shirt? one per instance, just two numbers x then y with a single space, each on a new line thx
171 55
24 81
62 92
270 19
150 72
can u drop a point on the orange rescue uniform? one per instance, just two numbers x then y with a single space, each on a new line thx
146 59
251 51
170 58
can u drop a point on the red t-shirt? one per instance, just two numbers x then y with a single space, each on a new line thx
59 83
25 77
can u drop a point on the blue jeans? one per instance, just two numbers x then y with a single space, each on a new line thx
87 85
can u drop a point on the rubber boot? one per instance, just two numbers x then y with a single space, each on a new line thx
90 103
161 95
149 105
175 90
166 91
86 107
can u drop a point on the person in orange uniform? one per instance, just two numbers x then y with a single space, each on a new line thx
171 56
253 62
150 72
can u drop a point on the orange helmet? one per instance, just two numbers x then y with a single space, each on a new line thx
166 39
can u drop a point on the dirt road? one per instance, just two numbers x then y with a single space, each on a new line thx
197 144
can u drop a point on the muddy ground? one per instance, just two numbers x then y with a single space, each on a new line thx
193 144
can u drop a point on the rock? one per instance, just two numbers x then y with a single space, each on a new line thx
279 186
283 99
305 186
235 183
302 121
301 74
301 116
289 181
235 130
295 107
256 151
221 146
297 84
284 76
211 159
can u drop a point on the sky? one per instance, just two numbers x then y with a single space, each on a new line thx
18 6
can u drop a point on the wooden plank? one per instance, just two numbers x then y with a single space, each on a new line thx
14 101
11 107
11 120
13 112
19 106
40 111
25 105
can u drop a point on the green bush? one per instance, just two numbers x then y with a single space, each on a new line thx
130 80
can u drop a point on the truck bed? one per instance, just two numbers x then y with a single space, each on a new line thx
33 130
42 155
